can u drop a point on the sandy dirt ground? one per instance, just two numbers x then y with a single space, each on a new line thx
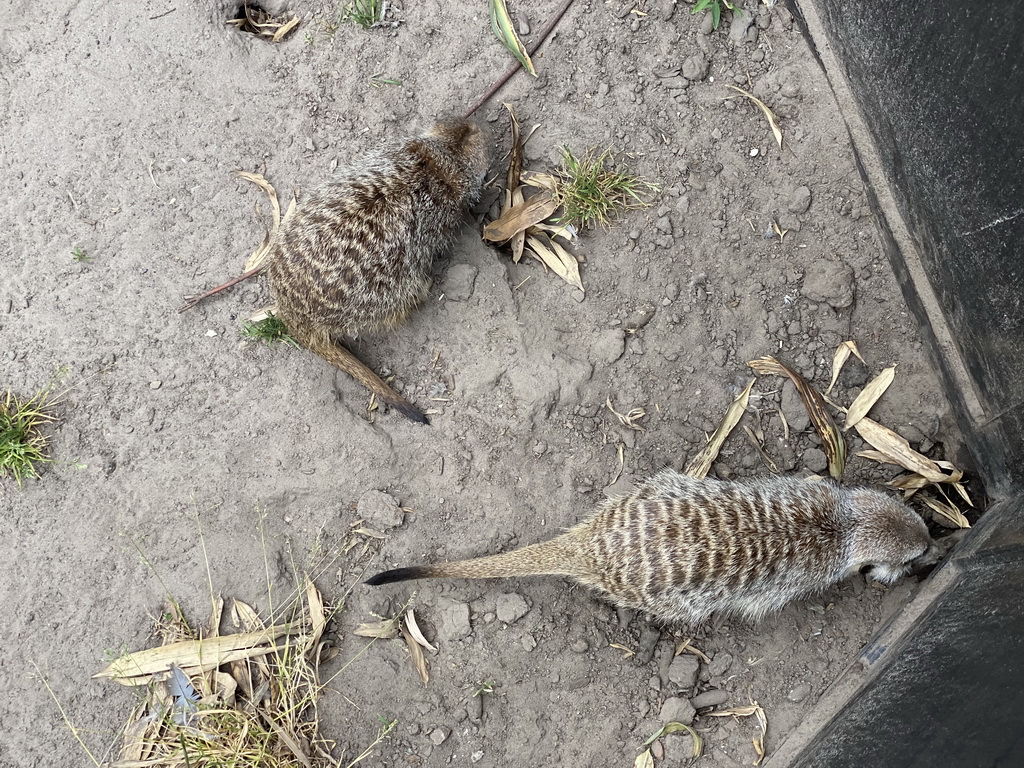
122 124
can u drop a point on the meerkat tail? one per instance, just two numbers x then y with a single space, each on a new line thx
558 557
343 359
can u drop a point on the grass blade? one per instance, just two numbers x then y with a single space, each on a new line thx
772 118
501 24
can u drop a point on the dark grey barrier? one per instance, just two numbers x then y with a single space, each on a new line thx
933 94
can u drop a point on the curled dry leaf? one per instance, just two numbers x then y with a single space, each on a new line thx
627 420
670 728
260 255
416 653
700 465
504 30
414 630
772 119
868 397
842 354
831 438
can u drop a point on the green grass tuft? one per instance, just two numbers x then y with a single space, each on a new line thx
79 254
590 192
268 330
365 13
715 6
23 446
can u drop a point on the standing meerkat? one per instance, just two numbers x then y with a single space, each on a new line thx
680 549
355 256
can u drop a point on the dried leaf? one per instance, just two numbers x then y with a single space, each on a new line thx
831 438
519 218
213 627
560 261
878 456
543 181
505 31
627 420
627 653
262 252
684 646
285 29
744 711
899 451
414 630
259 23
513 189
384 629
260 181
416 652
644 760
772 119
315 604
839 359
195 655
669 728
759 445
747 711
700 464
948 511
566 229
868 397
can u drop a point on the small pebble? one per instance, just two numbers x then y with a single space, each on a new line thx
799 693
155 384
438 735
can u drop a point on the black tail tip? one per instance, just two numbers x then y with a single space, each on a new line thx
410 411
396 574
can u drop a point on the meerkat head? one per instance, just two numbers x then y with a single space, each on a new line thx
886 535
465 139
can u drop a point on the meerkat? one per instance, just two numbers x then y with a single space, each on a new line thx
355 256
680 549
